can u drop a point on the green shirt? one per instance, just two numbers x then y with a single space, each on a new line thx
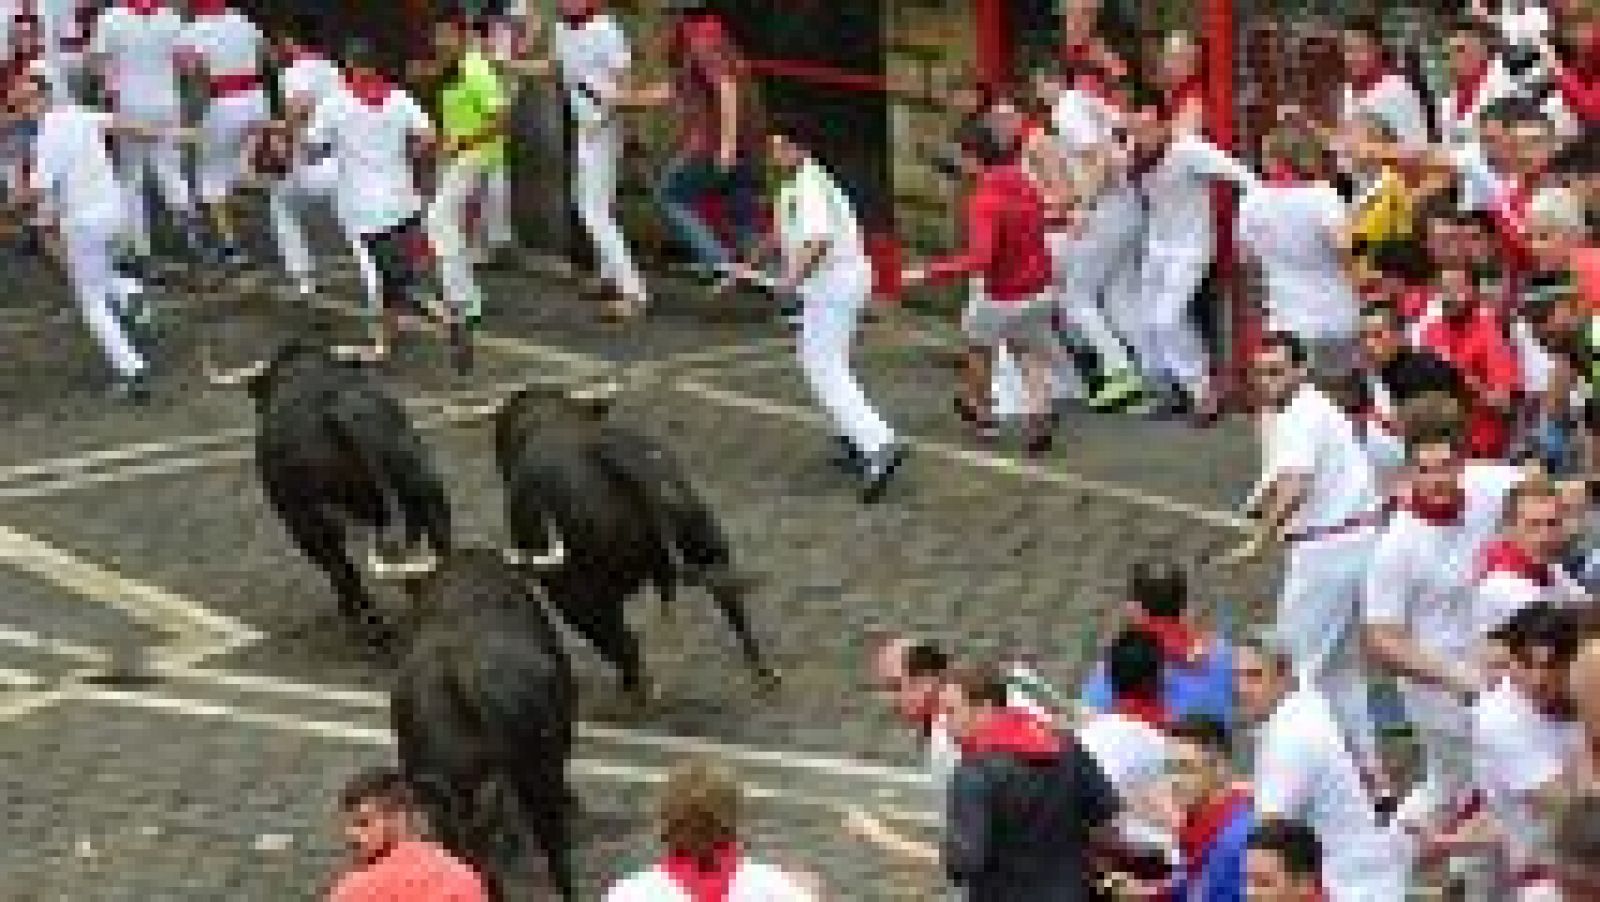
469 102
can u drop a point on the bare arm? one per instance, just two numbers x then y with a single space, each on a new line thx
728 116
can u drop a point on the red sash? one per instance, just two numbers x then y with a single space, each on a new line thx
1203 824
234 83
701 884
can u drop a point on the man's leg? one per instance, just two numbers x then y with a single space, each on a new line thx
595 187
681 187
827 325
131 155
227 123
88 259
446 231
283 207
1175 276
496 215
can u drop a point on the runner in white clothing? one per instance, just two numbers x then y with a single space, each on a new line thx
227 48
1296 227
135 52
1304 771
703 860
1418 605
594 59
1523 738
1174 174
824 263
1375 89
308 79
1520 566
1478 80
1320 499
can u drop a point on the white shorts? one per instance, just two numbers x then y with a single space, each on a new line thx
228 122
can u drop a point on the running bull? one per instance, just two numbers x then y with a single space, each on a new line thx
335 450
483 713
623 512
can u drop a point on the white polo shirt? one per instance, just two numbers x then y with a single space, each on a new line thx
594 55
140 53
753 882
228 43
1517 749
1294 231
371 145
1313 437
811 207
1304 772
1178 191
1393 101
72 168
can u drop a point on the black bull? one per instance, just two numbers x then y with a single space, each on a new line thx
334 449
483 713
627 518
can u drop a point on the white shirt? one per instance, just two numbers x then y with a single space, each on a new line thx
1393 101
72 168
1303 771
1082 122
1462 133
1522 24
1178 191
58 23
1516 749
1312 437
228 43
753 882
1293 230
811 207
594 55
1422 578
371 146
309 80
1134 756
140 53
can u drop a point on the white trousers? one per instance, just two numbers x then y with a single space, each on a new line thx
305 185
594 194
1317 621
446 225
1168 340
1442 728
140 158
1008 388
228 122
88 248
832 305
495 214
1085 266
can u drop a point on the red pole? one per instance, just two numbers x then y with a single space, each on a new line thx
1219 28
991 29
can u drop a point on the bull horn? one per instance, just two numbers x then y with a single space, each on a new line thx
408 568
554 556
224 378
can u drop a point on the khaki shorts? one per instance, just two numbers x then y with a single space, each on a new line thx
1026 323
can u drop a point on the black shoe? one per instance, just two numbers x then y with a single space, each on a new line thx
847 457
133 389
881 471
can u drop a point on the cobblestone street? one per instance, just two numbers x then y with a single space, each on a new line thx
126 529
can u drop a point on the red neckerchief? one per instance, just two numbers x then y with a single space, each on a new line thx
371 90
1515 202
578 20
1093 84
1506 556
1150 711
1466 91
300 54
925 715
144 7
698 883
1190 89
1013 731
1282 174
1437 511
1203 823
1180 643
1362 82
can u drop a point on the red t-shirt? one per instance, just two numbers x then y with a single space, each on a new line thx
701 54
1005 221
1478 347
412 872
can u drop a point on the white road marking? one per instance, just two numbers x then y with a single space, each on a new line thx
580 767
19 679
21 638
140 600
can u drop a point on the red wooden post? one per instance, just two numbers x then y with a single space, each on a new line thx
992 33
1218 27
